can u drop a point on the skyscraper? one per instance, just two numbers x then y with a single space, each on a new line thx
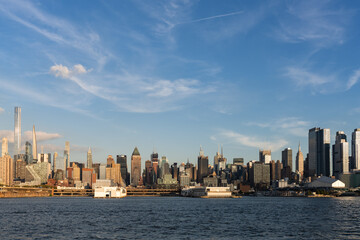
34 143
122 160
4 147
300 161
66 158
154 158
67 151
89 159
355 149
28 153
319 152
17 130
135 167
340 154
203 166
287 158
54 163
265 156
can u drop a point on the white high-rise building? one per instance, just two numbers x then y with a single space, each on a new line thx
89 158
34 144
355 149
340 154
4 147
54 163
17 130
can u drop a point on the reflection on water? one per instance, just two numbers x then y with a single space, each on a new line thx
180 218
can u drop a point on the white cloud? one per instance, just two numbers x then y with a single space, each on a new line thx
289 125
62 71
301 77
27 136
1 110
7 134
138 93
353 79
40 136
320 83
56 29
313 21
255 142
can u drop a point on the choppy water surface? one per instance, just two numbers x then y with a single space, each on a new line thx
180 218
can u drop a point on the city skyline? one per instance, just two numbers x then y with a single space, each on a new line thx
322 161
177 75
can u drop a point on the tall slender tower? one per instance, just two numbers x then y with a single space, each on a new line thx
89 159
17 130
67 153
34 144
355 149
54 163
4 147
300 161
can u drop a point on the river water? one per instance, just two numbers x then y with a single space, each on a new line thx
180 218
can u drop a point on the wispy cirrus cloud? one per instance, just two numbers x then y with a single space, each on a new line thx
288 125
313 21
354 78
302 77
56 29
250 141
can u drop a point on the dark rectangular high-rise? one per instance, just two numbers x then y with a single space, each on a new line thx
203 168
122 160
319 152
287 158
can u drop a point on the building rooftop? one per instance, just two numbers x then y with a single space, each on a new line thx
136 152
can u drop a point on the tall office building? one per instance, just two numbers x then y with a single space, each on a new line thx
203 166
67 151
54 163
287 158
265 156
135 167
34 143
319 152
28 153
216 161
122 160
355 149
154 158
6 170
340 154
17 131
89 159
148 172
4 147
278 169
222 161
300 161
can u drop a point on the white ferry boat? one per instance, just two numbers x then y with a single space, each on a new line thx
207 192
110 192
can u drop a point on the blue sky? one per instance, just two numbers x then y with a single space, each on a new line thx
175 75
